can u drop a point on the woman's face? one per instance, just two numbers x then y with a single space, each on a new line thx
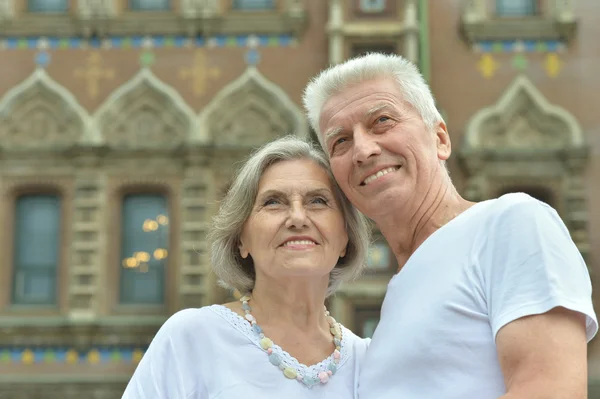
296 227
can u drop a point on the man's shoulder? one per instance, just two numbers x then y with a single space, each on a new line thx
519 206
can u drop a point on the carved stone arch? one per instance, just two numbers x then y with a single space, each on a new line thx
525 143
145 113
40 114
249 112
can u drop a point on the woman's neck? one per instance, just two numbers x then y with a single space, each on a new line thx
297 302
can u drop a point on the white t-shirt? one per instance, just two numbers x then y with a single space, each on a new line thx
498 261
212 352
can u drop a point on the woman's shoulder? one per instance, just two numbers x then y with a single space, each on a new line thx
197 321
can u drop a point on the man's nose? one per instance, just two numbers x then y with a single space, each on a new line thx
365 146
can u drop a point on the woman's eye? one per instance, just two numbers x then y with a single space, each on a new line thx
382 119
319 200
270 201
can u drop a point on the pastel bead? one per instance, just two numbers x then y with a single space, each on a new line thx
266 343
337 342
245 306
299 377
274 359
324 377
329 373
257 328
290 373
332 367
336 354
310 381
270 350
250 318
245 298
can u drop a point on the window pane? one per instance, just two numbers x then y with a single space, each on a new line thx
150 5
57 6
144 248
516 8
36 249
253 4
379 256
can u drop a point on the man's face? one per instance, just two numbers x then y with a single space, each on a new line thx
380 150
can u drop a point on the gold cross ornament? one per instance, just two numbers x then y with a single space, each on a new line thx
93 73
199 73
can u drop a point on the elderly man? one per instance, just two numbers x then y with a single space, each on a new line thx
492 299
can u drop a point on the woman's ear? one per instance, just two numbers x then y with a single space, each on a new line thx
243 251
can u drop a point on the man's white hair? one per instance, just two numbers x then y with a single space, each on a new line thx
371 66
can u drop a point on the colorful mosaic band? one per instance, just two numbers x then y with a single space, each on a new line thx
519 46
70 356
45 43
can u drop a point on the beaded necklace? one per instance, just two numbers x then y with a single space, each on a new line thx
290 372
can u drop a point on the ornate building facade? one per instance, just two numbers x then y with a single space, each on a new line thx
122 122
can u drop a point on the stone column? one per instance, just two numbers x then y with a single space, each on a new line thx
7 10
475 11
87 274
411 36
336 37
563 10
193 283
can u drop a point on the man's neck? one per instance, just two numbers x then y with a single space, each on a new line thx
406 228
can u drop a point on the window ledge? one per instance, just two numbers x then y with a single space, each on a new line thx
499 29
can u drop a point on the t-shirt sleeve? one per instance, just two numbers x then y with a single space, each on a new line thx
531 266
161 374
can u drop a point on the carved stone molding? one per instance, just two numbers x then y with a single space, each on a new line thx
103 19
39 114
557 23
250 100
524 141
145 113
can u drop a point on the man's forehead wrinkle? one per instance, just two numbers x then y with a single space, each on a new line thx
333 115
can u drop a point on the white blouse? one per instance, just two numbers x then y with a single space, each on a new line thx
212 352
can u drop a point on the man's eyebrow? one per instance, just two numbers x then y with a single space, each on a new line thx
331 134
376 108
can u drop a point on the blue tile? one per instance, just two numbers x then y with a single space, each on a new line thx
285 40
221 40
179 41
74 42
552 46
136 41
530 45
199 41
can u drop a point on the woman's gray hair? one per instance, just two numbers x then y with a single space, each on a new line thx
235 272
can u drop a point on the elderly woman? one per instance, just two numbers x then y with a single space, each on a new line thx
287 237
